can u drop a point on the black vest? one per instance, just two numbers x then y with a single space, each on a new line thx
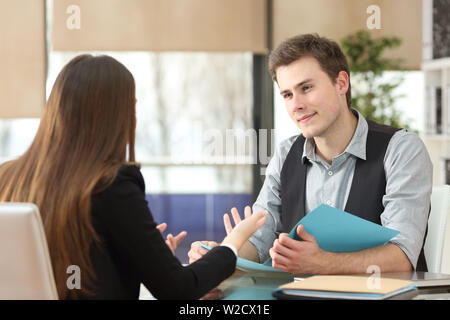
366 192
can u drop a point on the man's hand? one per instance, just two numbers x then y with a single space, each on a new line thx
301 257
298 257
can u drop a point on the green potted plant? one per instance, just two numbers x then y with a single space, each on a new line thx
372 94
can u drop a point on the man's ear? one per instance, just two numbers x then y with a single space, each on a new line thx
342 82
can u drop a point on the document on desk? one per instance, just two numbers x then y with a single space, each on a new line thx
334 230
347 287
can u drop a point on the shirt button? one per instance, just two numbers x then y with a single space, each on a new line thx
329 202
330 173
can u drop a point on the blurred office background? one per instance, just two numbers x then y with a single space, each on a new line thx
209 116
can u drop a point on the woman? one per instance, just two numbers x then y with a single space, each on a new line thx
92 199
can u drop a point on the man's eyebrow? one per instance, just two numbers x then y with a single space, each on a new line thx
296 86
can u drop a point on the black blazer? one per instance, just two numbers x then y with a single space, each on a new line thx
133 251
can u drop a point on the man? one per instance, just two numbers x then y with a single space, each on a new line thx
376 172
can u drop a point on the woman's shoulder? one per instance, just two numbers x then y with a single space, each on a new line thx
121 195
124 198
131 173
128 180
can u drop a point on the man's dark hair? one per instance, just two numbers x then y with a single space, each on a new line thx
327 52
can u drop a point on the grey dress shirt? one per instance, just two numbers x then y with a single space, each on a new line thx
406 203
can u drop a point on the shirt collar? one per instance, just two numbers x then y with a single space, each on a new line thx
356 147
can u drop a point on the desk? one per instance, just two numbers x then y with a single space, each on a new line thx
431 286
433 295
243 286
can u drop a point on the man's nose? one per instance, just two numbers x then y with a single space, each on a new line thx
297 103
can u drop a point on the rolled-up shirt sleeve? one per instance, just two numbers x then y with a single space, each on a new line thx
269 199
408 191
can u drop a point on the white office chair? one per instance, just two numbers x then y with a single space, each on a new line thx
437 244
25 268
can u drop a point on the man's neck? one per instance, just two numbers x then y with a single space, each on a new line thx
337 138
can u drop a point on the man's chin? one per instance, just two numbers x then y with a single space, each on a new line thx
308 134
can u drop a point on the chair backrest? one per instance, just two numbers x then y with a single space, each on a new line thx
435 241
25 267
445 263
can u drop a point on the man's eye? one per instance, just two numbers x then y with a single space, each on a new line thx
307 88
286 95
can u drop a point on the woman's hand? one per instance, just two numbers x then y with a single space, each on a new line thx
171 241
197 251
243 229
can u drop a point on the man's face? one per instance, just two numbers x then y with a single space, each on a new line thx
312 100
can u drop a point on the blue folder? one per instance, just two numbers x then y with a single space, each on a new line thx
334 230
338 231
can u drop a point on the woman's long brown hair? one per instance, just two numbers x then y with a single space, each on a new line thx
81 143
